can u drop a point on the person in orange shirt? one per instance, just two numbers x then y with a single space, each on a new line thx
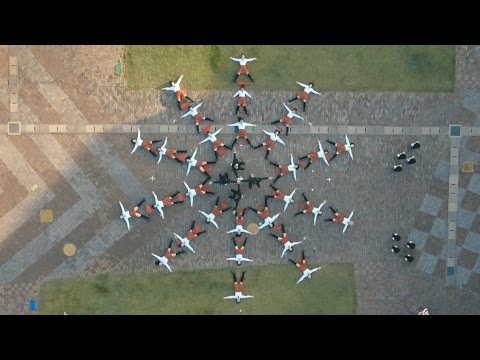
283 239
147 145
169 254
308 206
263 211
313 156
340 148
337 217
191 234
242 68
302 265
239 250
304 94
238 287
179 93
135 211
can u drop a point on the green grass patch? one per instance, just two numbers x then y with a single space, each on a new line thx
415 68
331 290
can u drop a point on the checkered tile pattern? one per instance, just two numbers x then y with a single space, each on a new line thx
430 227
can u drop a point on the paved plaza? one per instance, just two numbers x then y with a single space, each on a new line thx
72 156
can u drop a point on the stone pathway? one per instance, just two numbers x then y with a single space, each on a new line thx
76 117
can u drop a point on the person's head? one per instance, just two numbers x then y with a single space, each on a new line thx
188 159
243 56
207 220
239 232
350 222
276 132
238 300
290 249
309 276
325 151
310 84
320 212
242 87
271 225
187 194
134 141
239 263
295 109
352 145
240 119
252 175
172 82
157 262
292 200
297 166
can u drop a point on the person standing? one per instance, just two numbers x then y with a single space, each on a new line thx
396 237
242 99
411 160
408 258
395 249
304 94
242 69
411 245
397 168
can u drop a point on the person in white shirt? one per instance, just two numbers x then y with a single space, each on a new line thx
241 131
268 143
197 118
179 93
242 99
304 94
242 69
287 119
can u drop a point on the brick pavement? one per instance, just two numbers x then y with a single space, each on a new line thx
75 86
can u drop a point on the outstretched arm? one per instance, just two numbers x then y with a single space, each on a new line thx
315 92
179 80
246 93
299 83
251 59
235 59
236 94
170 88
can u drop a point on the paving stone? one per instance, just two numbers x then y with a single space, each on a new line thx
474 185
431 205
465 218
426 263
472 242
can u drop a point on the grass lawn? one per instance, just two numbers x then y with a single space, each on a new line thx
415 68
331 290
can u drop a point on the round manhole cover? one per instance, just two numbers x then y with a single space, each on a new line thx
253 228
69 249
